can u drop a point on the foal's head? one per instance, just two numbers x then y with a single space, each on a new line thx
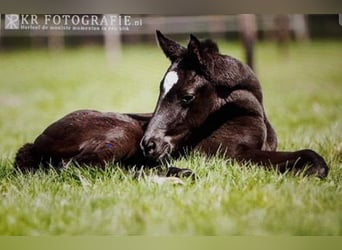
188 95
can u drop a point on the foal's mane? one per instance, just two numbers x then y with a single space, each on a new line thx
209 46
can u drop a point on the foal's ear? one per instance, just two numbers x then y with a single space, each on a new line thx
170 48
195 50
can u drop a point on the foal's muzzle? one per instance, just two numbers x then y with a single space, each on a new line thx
155 148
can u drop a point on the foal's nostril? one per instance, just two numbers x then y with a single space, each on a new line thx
149 147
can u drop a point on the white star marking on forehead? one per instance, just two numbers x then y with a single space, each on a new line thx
169 81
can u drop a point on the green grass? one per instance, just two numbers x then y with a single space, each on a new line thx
303 99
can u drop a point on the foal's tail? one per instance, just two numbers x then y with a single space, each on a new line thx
26 158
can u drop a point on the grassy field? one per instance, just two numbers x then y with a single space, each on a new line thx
303 100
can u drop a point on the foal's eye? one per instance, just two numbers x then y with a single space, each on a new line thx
186 99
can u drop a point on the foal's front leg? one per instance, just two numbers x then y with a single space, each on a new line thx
304 161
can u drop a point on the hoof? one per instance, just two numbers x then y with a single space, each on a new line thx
180 173
318 166
320 172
